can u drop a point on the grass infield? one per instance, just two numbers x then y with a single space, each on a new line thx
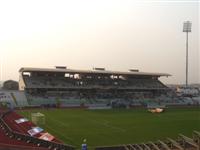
117 126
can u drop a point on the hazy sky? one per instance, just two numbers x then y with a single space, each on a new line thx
115 34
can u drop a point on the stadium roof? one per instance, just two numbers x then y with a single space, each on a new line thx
25 69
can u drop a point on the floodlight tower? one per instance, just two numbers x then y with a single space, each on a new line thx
187 28
1 72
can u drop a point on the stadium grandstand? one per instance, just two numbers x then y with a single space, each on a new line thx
181 143
97 87
18 133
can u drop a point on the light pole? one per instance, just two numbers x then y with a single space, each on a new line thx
1 71
187 28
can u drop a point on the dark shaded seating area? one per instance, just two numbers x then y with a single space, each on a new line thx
181 143
14 137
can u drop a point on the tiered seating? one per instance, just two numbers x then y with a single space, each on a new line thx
4 146
18 138
175 100
145 84
43 88
8 139
182 143
38 101
47 82
62 82
91 85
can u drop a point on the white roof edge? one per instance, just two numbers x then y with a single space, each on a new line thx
29 69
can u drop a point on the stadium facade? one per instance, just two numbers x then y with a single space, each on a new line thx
89 87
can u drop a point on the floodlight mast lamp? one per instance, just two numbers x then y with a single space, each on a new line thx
187 28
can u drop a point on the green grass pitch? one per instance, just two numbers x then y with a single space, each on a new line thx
117 126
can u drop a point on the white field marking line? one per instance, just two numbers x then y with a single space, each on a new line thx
56 131
60 123
106 124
